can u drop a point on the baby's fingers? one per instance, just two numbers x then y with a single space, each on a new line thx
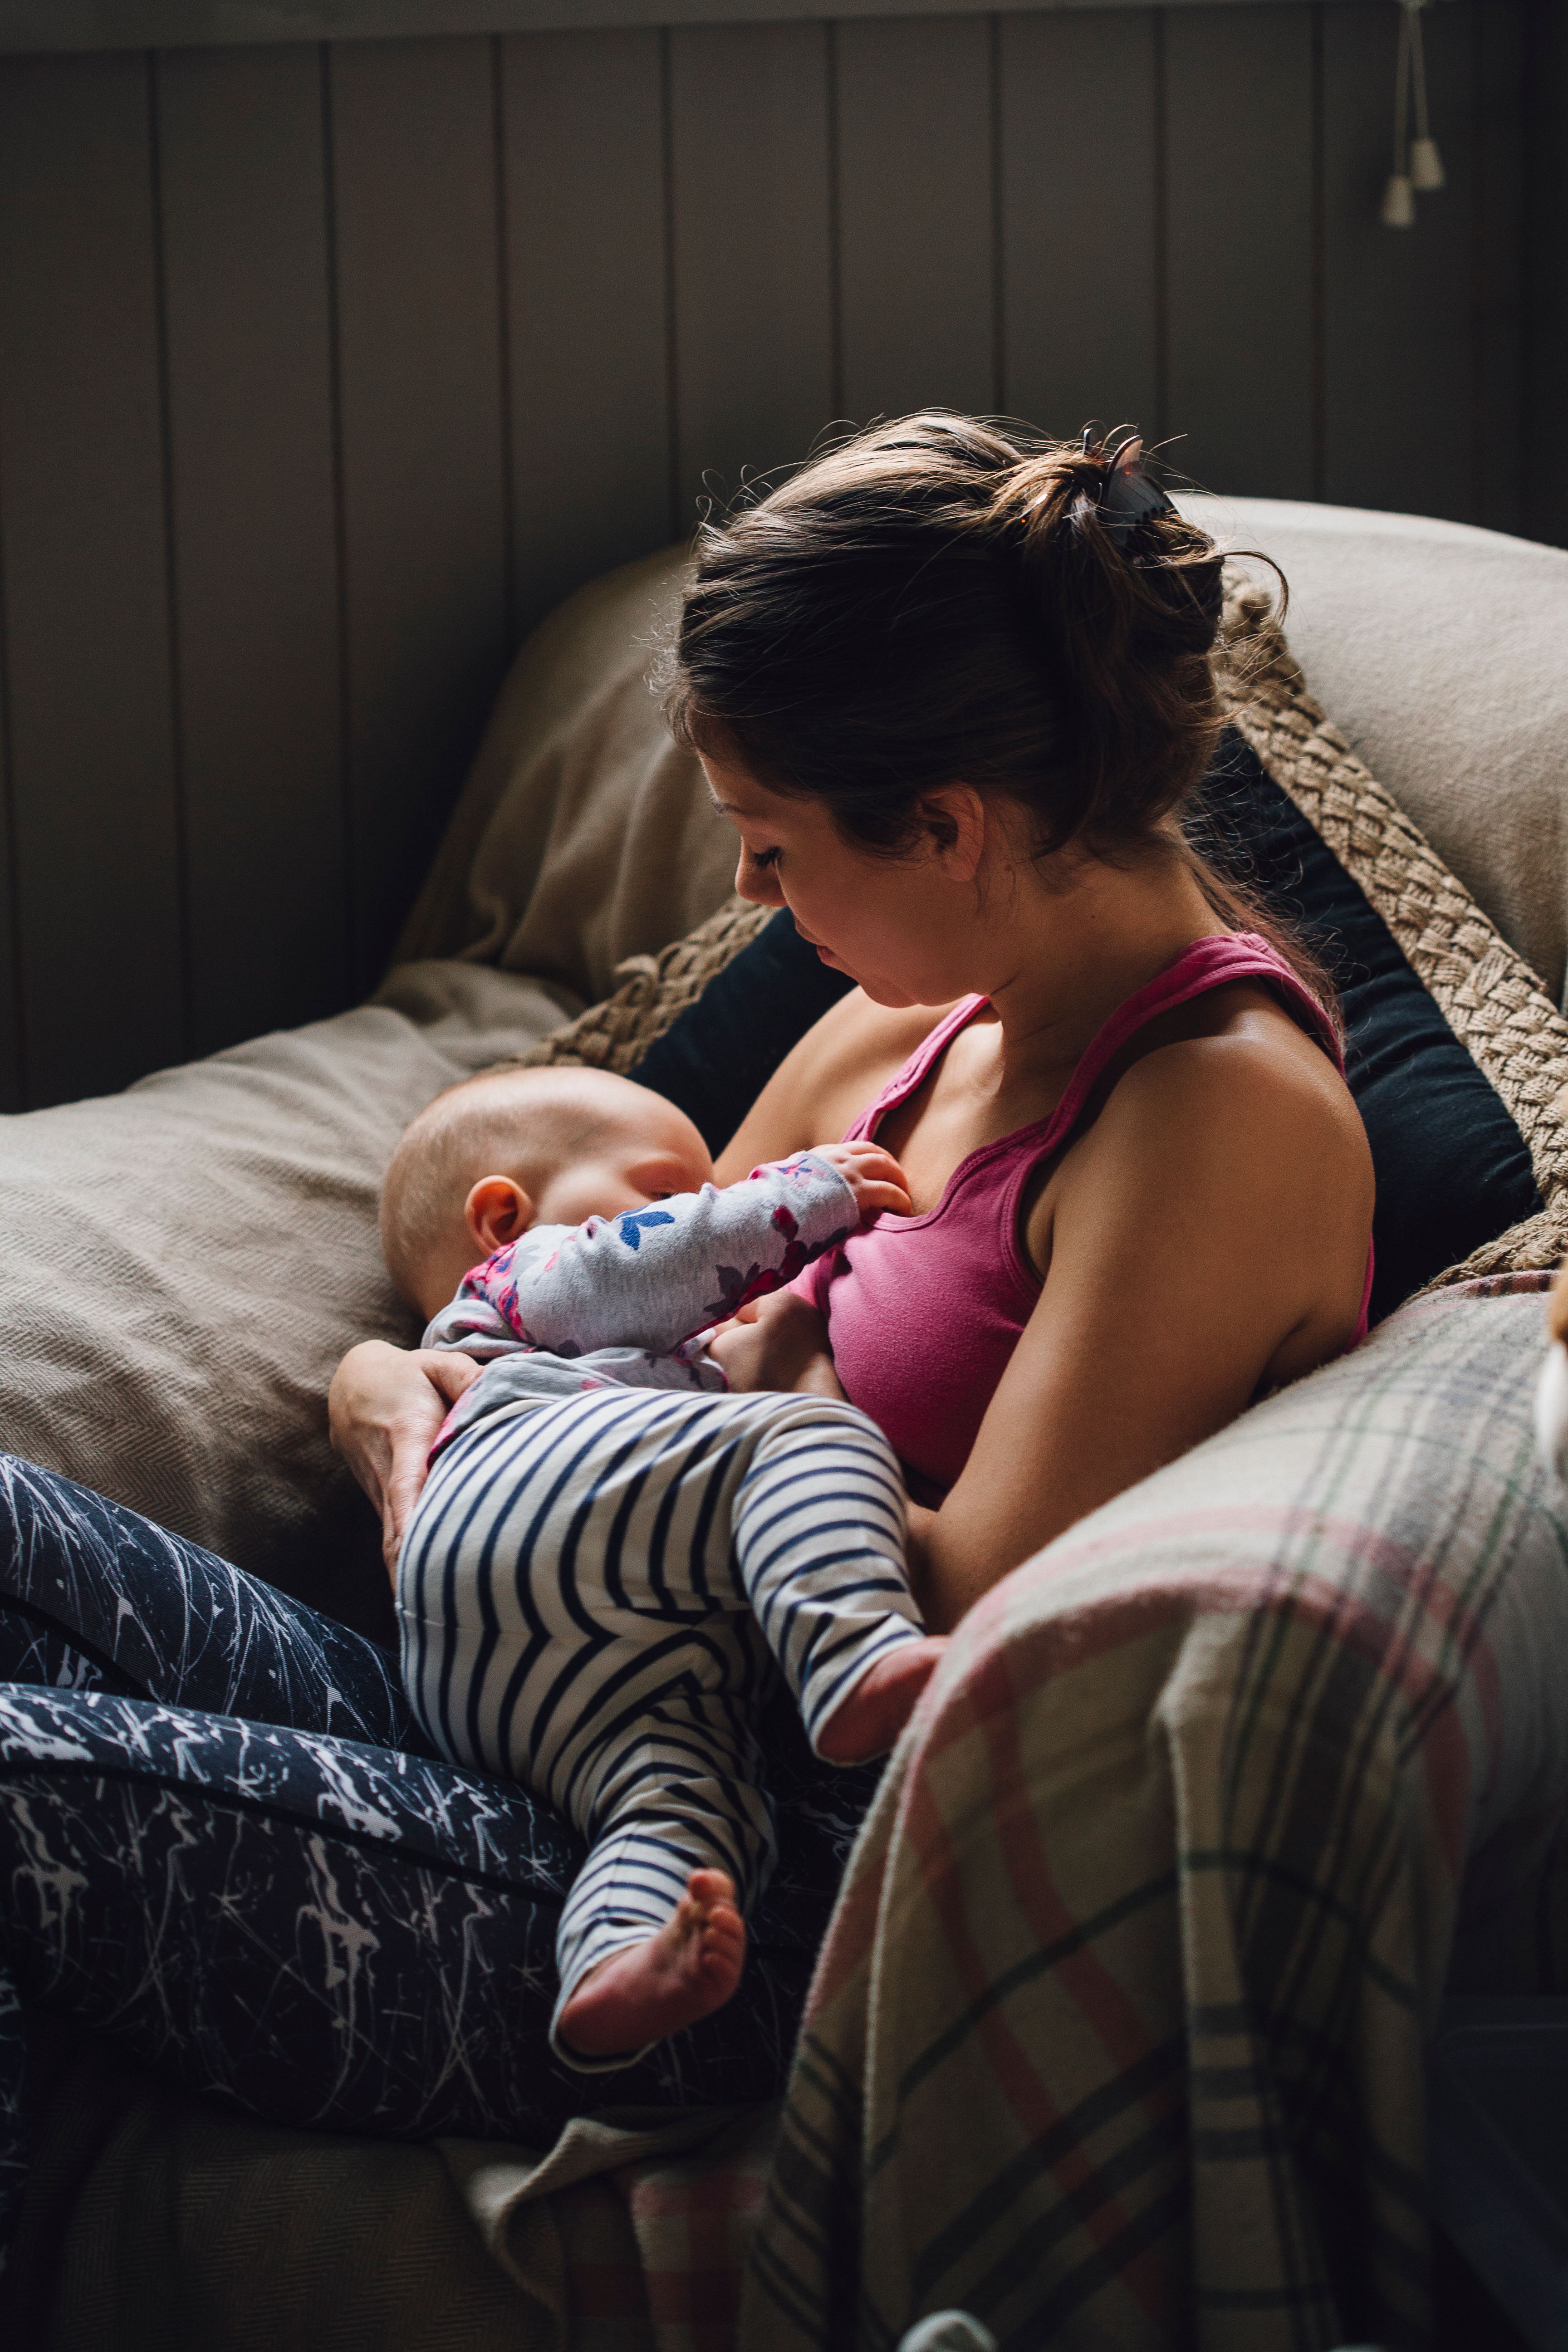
872 1161
873 1197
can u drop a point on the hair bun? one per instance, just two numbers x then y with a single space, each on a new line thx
945 597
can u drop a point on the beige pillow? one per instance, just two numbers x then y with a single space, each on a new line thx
582 836
183 1265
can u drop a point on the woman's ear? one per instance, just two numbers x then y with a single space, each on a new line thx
954 818
495 1211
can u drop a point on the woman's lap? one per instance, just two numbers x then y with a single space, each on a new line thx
94 1597
328 1929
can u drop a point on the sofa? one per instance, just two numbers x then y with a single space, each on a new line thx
1117 2032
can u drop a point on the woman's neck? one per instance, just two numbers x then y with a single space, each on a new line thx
1069 955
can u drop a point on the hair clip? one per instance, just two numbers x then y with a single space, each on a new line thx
1128 498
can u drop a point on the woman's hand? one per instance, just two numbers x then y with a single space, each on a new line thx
384 1409
777 1342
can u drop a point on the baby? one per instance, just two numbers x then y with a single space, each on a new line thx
609 1543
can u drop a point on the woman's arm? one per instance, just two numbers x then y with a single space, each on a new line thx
1206 1236
384 1409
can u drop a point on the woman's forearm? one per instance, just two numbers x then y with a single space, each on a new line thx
952 1567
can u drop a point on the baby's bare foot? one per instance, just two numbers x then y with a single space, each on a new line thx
685 1972
881 1703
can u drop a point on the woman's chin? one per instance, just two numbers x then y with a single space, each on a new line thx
886 993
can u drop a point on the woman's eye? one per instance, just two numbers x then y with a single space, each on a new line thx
766 858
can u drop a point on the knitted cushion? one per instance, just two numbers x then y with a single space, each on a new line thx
1488 995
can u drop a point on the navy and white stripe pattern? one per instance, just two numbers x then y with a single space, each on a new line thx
587 1596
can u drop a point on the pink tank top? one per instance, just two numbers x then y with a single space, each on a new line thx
957 1277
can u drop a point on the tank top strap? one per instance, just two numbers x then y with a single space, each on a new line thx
1206 964
929 1049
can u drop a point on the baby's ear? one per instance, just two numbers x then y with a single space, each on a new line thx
495 1211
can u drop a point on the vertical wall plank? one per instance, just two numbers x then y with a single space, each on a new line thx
1080 148
416 186
83 534
1546 267
586 289
240 140
13 1068
1239 214
916 242
752 278
1496 48
1399 372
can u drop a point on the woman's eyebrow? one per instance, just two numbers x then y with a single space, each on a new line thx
725 808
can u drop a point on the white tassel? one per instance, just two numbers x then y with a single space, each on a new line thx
1426 164
1398 198
1416 162
1398 202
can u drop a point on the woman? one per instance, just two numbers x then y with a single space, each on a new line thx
951 692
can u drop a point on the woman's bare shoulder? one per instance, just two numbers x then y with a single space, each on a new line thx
1244 1149
825 1081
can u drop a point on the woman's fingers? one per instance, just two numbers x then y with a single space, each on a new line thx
784 1345
448 1370
383 1410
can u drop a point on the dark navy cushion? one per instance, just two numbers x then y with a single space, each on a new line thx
1453 1170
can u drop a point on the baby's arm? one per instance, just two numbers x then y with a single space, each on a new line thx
651 1278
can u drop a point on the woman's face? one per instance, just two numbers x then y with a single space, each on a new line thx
891 924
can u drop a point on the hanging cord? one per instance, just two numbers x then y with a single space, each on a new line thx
1399 196
1416 162
1426 164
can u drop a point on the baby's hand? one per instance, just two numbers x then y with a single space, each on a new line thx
873 1175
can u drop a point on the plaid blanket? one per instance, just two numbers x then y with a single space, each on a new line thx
1117 2037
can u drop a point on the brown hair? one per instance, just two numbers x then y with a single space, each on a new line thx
941 598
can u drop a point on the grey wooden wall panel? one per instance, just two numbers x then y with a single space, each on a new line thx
1497 47
247 276
1079 139
1400 371
1545 356
1238 215
12 1075
584 154
416 193
390 346
87 25
753 323
82 532
916 239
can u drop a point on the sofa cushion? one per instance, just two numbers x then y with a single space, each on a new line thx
183 1265
582 836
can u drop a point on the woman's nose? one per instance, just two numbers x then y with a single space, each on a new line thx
758 883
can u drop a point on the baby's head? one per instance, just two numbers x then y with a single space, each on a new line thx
518 1148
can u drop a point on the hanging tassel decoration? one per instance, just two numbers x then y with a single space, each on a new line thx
1426 164
1399 196
1416 162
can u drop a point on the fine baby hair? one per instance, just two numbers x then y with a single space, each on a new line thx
527 1127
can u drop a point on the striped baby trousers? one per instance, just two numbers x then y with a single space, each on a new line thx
592 1594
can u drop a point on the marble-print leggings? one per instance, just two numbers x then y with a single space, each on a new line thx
225 1845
